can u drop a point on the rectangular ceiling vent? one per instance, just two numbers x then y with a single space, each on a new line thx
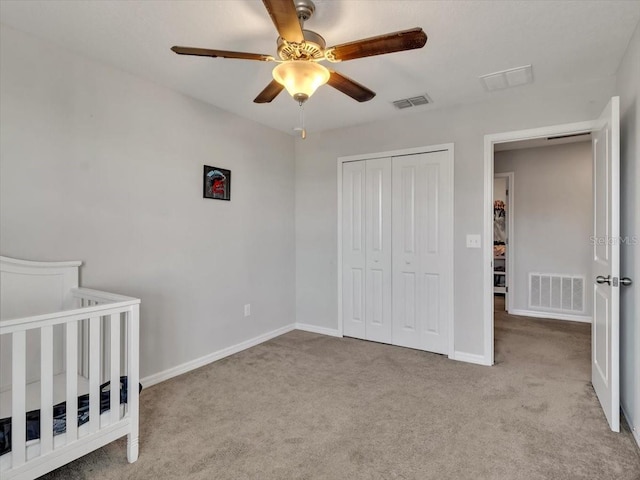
412 102
514 77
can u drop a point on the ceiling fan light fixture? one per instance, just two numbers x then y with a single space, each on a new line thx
301 78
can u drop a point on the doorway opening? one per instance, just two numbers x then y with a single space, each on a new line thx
503 140
542 214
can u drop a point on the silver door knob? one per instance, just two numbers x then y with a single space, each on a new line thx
626 281
600 279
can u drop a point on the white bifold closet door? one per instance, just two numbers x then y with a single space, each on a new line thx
366 249
422 250
396 250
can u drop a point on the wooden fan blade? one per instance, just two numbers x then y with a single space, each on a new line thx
350 87
206 52
269 93
389 43
285 18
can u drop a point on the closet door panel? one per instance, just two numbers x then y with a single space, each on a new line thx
378 250
406 206
422 213
353 249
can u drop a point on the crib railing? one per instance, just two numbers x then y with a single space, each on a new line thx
101 339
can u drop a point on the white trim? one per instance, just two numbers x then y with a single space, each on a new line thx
212 357
31 264
510 176
489 141
339 265
332 332
398 153
635 431
452 319
469 358
551 315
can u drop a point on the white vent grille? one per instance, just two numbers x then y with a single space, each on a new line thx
412 102
556 292
421 100
507 78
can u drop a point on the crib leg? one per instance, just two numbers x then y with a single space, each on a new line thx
132 448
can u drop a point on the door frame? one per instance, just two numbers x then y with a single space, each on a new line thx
510 176
444 147
487 253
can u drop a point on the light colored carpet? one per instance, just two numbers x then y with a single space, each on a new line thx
307 406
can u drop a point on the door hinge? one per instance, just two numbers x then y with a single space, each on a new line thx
506 289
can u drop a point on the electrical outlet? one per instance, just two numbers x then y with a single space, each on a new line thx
247 310
473 241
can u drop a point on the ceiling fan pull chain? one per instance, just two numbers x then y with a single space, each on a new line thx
303 131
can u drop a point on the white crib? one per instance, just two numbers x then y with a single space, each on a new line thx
59 342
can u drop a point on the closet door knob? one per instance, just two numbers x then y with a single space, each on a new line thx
626 281
601 280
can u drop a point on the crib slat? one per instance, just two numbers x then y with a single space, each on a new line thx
18 398
72 382
83 348
46 389
133 373
114 403
94 374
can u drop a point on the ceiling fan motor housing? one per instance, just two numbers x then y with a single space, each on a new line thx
312 48
304 9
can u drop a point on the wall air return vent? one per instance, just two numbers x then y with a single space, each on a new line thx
412 102
513 77
562 293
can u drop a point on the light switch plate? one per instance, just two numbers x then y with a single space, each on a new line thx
473 241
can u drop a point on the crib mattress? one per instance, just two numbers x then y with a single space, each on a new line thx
33 394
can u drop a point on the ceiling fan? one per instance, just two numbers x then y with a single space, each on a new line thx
300 52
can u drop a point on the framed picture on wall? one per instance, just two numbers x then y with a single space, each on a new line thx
216 183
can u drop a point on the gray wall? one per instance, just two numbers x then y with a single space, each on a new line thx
316 185
553 214
100 166
628 87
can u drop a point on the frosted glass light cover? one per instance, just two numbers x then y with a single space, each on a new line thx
300 77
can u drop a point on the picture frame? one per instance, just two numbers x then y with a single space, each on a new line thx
216 183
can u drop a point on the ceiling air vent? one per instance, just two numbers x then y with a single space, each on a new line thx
513 77
400 104
412 102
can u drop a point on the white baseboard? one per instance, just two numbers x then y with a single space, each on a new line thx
333 332
550 315
635 429
470 358
212 357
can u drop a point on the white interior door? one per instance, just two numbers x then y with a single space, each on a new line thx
422 213
605 330
378 250
353 249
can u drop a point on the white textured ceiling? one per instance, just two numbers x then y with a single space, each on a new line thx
565 41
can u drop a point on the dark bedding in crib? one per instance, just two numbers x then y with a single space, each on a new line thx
60 415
